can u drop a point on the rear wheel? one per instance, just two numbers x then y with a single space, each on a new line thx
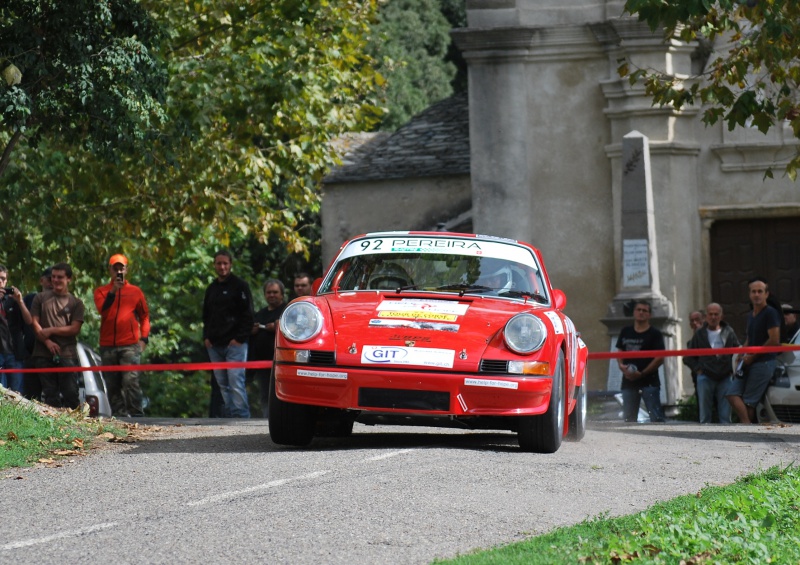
289 423
577 420
543 434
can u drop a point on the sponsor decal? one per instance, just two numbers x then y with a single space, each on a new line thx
409 337
321 374
558 327
416 304
418 315
493 383
414 324
397 355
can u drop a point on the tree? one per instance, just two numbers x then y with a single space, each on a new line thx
256 91
411 42
754 80
85 71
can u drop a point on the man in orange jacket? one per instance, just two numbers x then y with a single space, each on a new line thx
124 332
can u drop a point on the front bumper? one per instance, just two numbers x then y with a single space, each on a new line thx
412 392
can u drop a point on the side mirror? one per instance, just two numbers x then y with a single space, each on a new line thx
315 286
559 299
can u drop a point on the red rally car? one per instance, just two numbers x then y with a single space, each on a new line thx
434 329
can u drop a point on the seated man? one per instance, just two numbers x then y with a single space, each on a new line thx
495 274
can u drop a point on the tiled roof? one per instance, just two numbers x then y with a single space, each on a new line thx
435 142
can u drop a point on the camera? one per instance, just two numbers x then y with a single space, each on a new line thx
120 276
10 291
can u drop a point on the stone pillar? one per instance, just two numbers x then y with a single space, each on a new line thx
639 269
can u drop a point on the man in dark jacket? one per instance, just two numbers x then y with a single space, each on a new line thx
713 371
227 323
14 317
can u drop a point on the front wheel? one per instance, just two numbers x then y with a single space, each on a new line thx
289 423
577 420
543 434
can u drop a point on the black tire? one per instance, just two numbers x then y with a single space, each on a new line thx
577 420
289 424
543 434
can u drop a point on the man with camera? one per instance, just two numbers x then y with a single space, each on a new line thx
57 319
124 333
14 317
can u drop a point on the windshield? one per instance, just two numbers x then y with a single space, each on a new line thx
463 266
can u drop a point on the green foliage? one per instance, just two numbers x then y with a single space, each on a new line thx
88 73
755 520
411 41
255 93
752 82
28 436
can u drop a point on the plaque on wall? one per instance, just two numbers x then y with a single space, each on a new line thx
635 263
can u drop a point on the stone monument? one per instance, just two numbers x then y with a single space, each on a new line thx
639 277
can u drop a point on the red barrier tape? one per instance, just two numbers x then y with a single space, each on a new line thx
152 367
691 352
268 364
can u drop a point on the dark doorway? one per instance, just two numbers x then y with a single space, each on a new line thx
743 249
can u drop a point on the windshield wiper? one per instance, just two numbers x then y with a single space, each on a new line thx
464 288
524 293
400 289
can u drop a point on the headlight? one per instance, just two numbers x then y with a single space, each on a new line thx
301 321
525 333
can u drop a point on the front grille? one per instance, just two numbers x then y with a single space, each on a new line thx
403 399
788 413
492 366
322 357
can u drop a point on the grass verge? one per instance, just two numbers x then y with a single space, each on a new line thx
754 520
28 437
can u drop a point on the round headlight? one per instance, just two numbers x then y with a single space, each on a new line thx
525 333
301 321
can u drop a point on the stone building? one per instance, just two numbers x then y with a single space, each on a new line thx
535 152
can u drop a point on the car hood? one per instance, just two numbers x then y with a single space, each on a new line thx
428 330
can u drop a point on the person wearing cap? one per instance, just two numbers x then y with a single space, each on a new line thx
791 325
124 333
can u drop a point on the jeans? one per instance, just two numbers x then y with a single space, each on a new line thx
707 390
232 382
124 390
652 400
12 381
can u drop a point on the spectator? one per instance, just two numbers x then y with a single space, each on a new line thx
695 320
640 375
32 381
791 325
124 333
262 341
302 284
14 316
227 324
713 371
57 319
763 329
695 323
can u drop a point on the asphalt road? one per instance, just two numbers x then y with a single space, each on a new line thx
218 491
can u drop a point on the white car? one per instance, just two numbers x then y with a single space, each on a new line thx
781 402
91 385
